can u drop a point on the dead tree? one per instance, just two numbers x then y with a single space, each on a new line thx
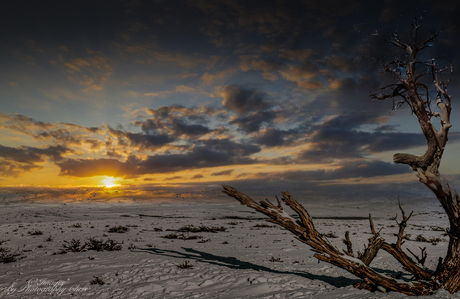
409 87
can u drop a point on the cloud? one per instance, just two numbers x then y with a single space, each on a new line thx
345 64
32 155
242 100
296 54
303 75
172 178
209 79
310 84
223 172
249 62
297 73
230 148
178 121
356 169
275 137
183 60
252 122
23 124
15 161
92 73
142 141
339 138
15 169
214 153
190 130
96 167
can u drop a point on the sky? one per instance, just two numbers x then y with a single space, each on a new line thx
207 92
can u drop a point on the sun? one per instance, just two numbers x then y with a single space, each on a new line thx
109 182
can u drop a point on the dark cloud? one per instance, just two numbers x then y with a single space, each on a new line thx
190 130
223 172
215 153
230 147
385 128
23 124
242 100
197 176
141 140
274 137
15 161
64 136
172 178
356 169
96 167
395 141
341 138
14 169
31 155
252 122
179 121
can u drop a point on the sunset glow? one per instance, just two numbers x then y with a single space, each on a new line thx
110 182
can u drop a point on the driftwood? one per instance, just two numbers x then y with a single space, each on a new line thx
407 89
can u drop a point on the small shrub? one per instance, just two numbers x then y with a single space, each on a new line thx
190 229
158 229
111 245
273 259
171 236
100 245
330 235
149 245
181 237
118 229
35 233
49 239
204 241
421 238
202 228
132 246
73 246
94 244
7 257
184 237
213 229
77 225
263 225
435 241
185 265
97 280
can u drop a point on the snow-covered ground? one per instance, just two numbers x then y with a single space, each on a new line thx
248 260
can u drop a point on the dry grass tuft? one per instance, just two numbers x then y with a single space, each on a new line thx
118 229
185 265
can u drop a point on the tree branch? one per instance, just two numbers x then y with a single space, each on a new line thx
306 233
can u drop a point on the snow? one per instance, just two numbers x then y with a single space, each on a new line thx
233 264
